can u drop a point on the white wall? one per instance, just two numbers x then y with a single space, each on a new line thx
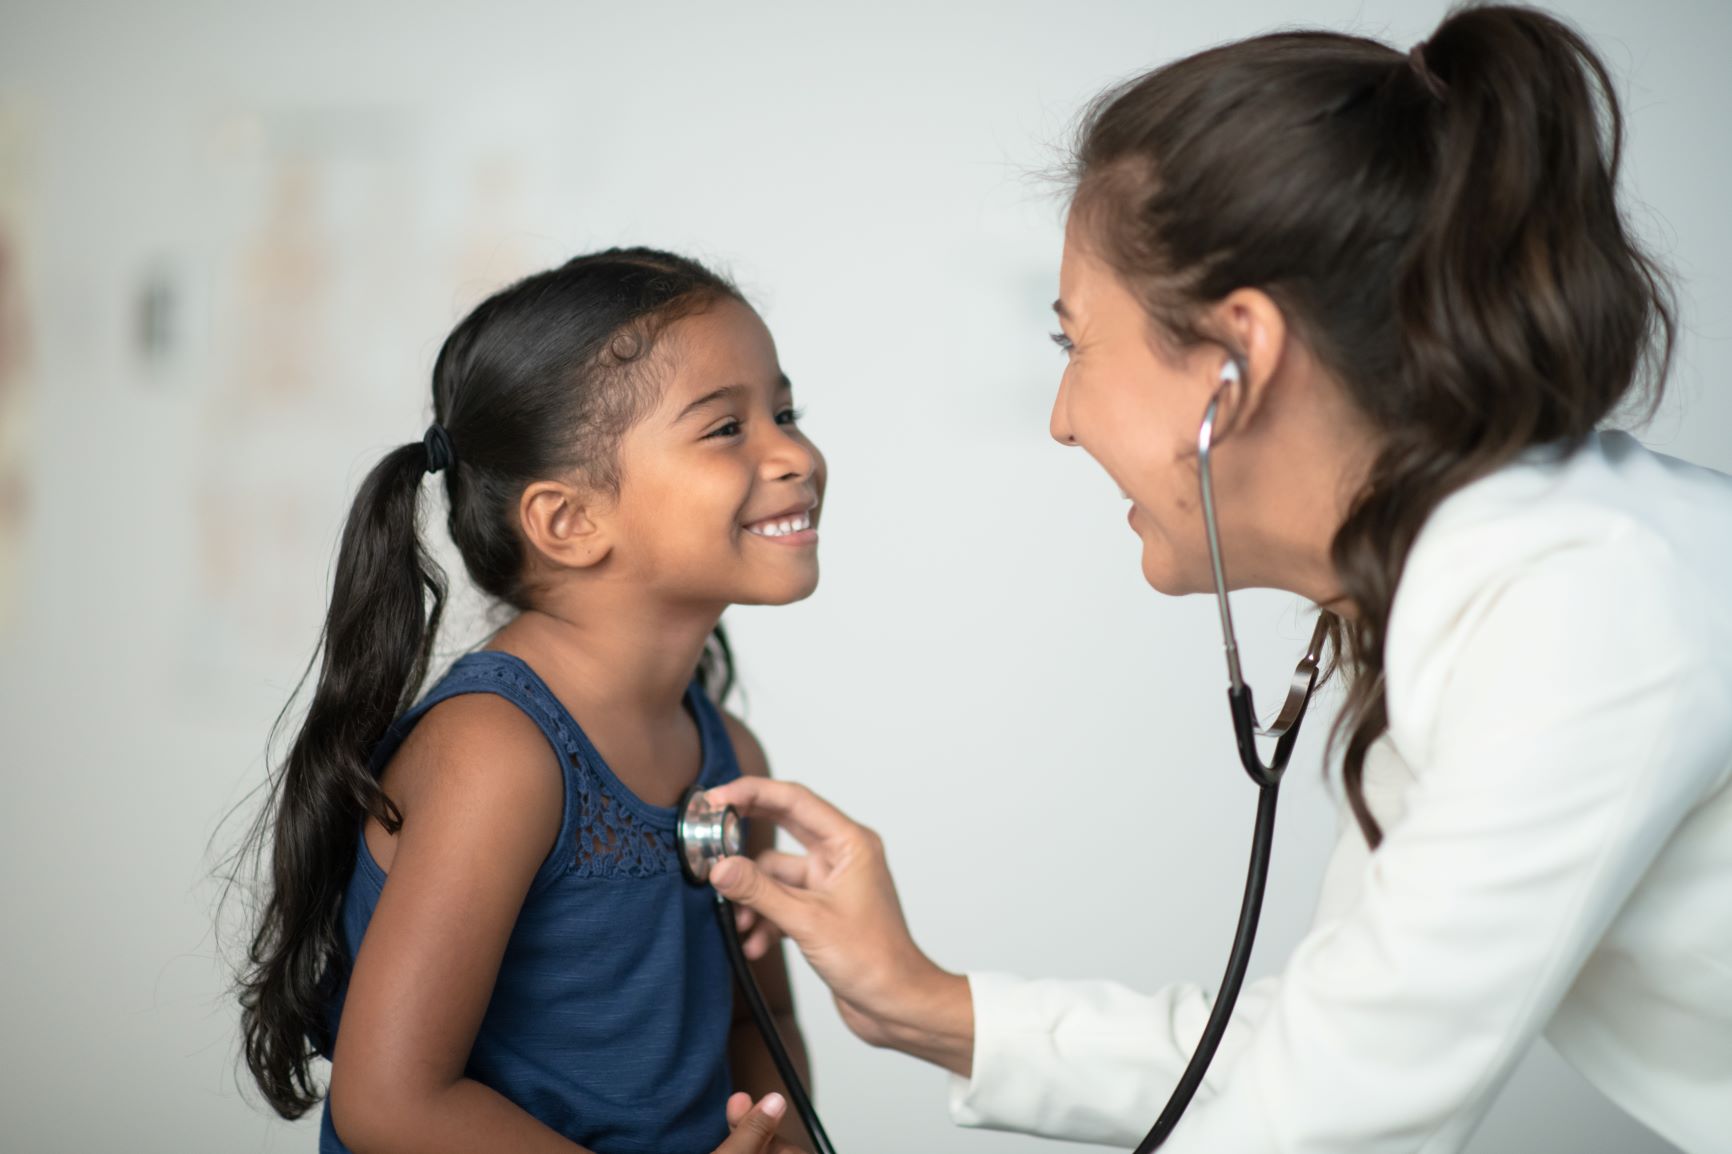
323 191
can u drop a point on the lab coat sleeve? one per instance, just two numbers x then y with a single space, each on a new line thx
1095 1061
1086 1061
1569 725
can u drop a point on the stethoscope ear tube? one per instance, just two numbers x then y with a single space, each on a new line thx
1285 730
1244 712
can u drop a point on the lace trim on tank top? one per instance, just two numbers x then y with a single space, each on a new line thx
612 840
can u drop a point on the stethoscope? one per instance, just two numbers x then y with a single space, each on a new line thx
706 834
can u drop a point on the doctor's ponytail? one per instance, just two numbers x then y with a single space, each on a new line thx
1440 226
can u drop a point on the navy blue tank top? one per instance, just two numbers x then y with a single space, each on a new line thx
610 1017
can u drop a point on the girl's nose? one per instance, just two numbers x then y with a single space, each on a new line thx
788 457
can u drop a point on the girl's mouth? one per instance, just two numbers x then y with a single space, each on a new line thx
790 529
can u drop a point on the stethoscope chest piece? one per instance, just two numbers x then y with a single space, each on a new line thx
705 835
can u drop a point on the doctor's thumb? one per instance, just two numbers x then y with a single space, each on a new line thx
736 879
741 881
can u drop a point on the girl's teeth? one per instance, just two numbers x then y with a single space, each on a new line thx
785 526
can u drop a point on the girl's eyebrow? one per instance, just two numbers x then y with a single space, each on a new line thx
729 392
726 392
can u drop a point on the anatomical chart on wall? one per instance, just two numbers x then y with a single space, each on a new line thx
312 261
355 238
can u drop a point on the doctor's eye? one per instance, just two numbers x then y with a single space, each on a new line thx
1063 342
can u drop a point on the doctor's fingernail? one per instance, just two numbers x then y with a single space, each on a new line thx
774 1105
722 872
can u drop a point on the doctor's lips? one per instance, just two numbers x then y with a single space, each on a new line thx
792 526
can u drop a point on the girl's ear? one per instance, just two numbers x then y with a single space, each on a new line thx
558 524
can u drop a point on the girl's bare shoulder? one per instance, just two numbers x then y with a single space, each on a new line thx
479 758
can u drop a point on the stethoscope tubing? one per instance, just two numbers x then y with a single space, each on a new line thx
1238 960
766 1023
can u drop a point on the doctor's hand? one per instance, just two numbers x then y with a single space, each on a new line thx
838 903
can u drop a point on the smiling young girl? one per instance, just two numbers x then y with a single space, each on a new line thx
475 909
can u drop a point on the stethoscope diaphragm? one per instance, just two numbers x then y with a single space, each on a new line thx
705 834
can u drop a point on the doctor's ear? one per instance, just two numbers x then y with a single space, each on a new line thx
1252 332
564 525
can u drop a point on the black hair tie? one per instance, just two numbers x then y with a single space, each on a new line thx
437 442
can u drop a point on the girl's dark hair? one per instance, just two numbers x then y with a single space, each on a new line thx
1440 227
540 380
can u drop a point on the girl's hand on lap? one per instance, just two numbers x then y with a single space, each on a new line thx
754 1126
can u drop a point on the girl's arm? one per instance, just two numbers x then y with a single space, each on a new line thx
748 1055
481 796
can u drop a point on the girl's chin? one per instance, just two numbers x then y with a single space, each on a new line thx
779 592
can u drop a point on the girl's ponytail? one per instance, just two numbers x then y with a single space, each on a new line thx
386 601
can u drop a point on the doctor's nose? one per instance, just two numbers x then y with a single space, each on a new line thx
1059 423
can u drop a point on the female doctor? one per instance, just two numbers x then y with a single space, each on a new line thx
1405 279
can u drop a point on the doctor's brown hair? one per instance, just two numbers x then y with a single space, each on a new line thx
1440 227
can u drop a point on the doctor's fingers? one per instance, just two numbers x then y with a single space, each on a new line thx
761 941
758 934
741 881
813 821
791 869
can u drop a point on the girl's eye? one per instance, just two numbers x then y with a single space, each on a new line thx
730 429
789 416
1063 342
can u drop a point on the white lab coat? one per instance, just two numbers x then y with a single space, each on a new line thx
1557 857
